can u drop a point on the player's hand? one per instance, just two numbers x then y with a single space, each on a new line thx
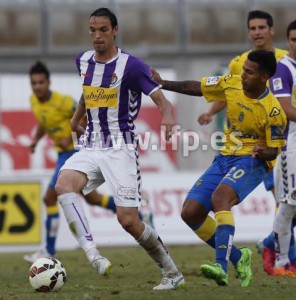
155 76
257 151
32 147
76 127
168 121
205 119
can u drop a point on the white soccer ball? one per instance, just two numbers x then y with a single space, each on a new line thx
47 275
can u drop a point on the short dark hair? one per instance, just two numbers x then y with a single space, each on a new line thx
39 68
260 14
105 12
291 26
265 59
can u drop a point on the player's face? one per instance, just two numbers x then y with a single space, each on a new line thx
40 85
250 76
102 34
260 33
292 43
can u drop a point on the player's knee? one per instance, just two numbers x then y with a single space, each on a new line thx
189 216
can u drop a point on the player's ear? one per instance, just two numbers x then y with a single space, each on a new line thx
272 31
115 31
264 77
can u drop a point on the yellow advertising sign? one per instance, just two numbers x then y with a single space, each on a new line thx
96 96
20 213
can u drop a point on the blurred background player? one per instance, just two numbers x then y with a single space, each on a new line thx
53 112
261 32
283 86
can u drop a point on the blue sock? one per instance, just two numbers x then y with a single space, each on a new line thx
268 242
224 237
108 202
207 232
51 224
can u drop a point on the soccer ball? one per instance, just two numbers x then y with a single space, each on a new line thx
47 275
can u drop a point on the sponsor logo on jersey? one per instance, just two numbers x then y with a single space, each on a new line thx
212 80
274 112
244 106
277 133
277 84
95 97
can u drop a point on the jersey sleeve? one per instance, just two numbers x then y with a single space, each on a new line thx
141 77
276 124
212 88
281 83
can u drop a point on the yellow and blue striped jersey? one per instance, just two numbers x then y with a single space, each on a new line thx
54 116
249 121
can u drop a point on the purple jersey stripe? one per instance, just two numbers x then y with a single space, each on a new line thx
103 112
78 62
87 81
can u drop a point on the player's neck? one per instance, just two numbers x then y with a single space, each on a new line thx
104 57
46 97
267 47
256 94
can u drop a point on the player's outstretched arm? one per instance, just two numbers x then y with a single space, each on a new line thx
166 109
188 87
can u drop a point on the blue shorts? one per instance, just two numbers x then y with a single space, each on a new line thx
268 181
242 173
62 157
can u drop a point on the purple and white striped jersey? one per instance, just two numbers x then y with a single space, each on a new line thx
112 93
283 84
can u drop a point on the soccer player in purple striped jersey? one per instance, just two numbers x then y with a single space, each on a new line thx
283 86
112 83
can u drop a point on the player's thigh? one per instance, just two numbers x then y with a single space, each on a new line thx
62 158
86 176
204 187
269 181
245 175
285 177
120 169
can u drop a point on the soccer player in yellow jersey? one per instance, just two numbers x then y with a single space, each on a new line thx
261 32
253 138
53 112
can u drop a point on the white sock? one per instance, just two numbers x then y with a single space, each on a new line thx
153 245
282 231
78 223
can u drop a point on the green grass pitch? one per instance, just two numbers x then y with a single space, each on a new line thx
134 274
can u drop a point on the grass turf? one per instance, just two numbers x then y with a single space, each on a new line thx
134 275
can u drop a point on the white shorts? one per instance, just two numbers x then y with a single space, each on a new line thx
118 167
285 177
